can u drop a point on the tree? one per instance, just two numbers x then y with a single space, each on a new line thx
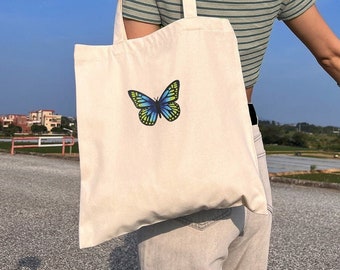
38 129
271 134
69 123
58 130
300 139
11 130
65 122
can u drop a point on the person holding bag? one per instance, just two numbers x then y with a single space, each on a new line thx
233 237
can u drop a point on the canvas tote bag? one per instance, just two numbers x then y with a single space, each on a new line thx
164 128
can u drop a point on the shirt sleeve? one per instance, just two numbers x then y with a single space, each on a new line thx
293 8
141 10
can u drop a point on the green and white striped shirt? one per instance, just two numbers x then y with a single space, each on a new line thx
252 21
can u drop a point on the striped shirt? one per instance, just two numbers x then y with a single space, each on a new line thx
252 21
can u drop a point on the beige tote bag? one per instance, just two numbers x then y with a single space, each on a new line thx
164 128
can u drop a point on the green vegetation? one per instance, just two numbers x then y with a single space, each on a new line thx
320 177
301 137
5 146
10 130
284 148
38 129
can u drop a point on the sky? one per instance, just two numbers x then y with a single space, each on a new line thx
37 39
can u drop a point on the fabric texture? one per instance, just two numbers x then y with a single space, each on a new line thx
169 107
252 21
217 239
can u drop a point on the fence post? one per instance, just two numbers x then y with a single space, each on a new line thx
63 148
12 148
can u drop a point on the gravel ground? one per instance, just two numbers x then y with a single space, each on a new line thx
39 200
306 228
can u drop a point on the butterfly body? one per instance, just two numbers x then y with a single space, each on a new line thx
158 107
151 109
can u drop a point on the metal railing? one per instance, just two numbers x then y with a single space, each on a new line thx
46 141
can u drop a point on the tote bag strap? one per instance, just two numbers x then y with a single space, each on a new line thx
189 8
119 35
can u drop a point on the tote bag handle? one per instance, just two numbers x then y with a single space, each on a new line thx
119 34
189 8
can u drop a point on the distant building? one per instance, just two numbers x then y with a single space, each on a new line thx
16 120
46 118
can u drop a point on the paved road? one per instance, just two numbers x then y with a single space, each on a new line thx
285 163
39 216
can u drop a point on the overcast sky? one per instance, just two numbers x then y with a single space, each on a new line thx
36 61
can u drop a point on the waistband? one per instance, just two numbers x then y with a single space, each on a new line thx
252 114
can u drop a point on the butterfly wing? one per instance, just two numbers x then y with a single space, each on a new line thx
170 111
148 109
168 107
170 93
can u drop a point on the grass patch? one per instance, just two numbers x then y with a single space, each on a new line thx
5 145
299 151
319 177
284 148
44 150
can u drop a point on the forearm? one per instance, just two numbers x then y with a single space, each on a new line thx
331 63
329 56
314 32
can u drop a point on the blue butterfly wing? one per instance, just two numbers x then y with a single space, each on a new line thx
170 111
168 107
148 110
148 116
141 100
